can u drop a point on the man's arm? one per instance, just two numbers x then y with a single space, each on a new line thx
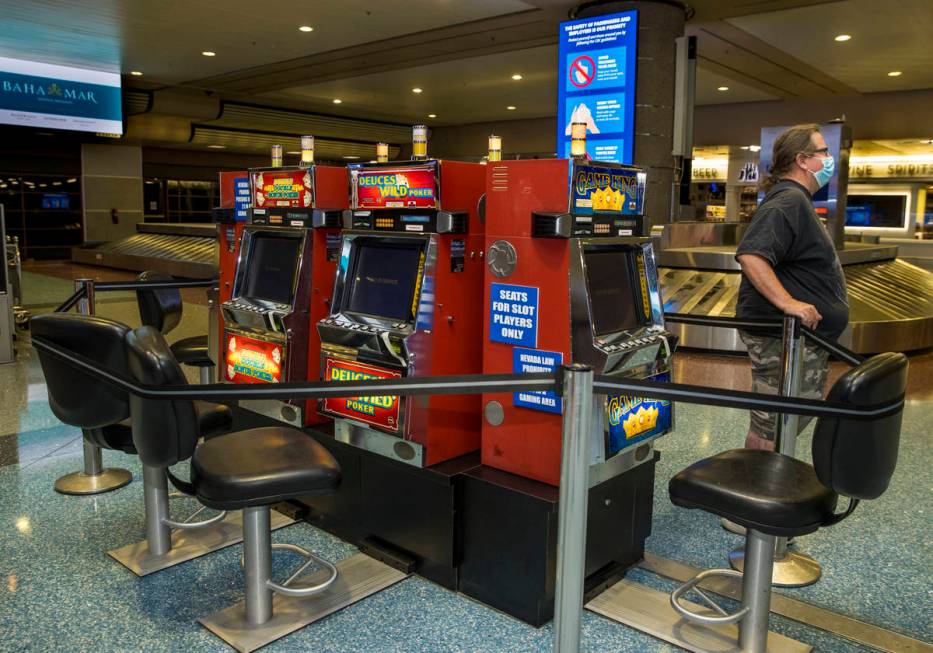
759 271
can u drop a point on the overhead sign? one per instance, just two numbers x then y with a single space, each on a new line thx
34 94
293 189
596 84
532 361
379 411
387 188
513 315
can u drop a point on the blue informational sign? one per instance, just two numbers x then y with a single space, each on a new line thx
634 419
596 84
240 198
513 315
531 361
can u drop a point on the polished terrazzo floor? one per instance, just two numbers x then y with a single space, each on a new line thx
59 591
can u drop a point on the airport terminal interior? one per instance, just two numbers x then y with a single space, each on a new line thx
423 326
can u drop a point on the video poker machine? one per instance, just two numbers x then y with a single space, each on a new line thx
285 269
571 278
405 303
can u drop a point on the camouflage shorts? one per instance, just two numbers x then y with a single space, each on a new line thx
765 354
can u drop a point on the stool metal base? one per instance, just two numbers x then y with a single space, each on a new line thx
358 576
795 569
79 483
650 611
189 544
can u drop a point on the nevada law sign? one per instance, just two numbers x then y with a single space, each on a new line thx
59 97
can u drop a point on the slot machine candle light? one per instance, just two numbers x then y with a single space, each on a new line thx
570 279
284 276
405 304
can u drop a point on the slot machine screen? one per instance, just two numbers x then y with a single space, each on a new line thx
270 274
615 297
382 280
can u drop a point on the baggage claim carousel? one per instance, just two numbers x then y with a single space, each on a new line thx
890 300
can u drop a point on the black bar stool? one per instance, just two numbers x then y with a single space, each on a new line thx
101 412
162 308
249 470
772 495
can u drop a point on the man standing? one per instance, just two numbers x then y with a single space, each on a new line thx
790 267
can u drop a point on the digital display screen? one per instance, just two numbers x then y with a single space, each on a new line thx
879 211
56 201
383 278
34 94
615 304
270 272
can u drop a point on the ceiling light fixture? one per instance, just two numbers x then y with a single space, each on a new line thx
743 147
895 73
432 115
136 73
208 53
516 77
416 90
337 100
350 156
722 88
842 38
218 147
510 108
305 28
293 152
754 148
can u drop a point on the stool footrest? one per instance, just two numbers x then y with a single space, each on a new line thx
697 617
286 589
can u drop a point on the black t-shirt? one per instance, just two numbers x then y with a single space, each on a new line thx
786 231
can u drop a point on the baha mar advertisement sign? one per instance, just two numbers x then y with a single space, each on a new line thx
596 84
34 94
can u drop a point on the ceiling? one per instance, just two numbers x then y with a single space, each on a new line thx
462 54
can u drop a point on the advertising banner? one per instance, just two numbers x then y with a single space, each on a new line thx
249 360
634 419
596 84
601 189
388 188
34 94
293 189
378 411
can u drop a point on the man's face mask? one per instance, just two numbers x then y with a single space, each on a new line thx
825 173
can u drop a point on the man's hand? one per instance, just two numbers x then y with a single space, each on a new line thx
806 312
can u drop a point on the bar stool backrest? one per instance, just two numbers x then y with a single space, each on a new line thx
159 308
856 458
164 431
75 397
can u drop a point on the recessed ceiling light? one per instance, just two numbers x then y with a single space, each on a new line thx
432 115
337 100
305 28
743 147
71 180
754 148
293 152
208 53
136 73
842 38
350 156
516 77
416 90
722 88
217 147
510 107
895 73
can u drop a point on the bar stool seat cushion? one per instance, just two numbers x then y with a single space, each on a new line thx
192 351
261 466
213 419
763 490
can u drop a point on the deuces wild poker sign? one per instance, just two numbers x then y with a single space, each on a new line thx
381 411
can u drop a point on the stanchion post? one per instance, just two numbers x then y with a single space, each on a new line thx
94 478
574 487
791 568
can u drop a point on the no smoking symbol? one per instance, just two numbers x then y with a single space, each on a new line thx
582 71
